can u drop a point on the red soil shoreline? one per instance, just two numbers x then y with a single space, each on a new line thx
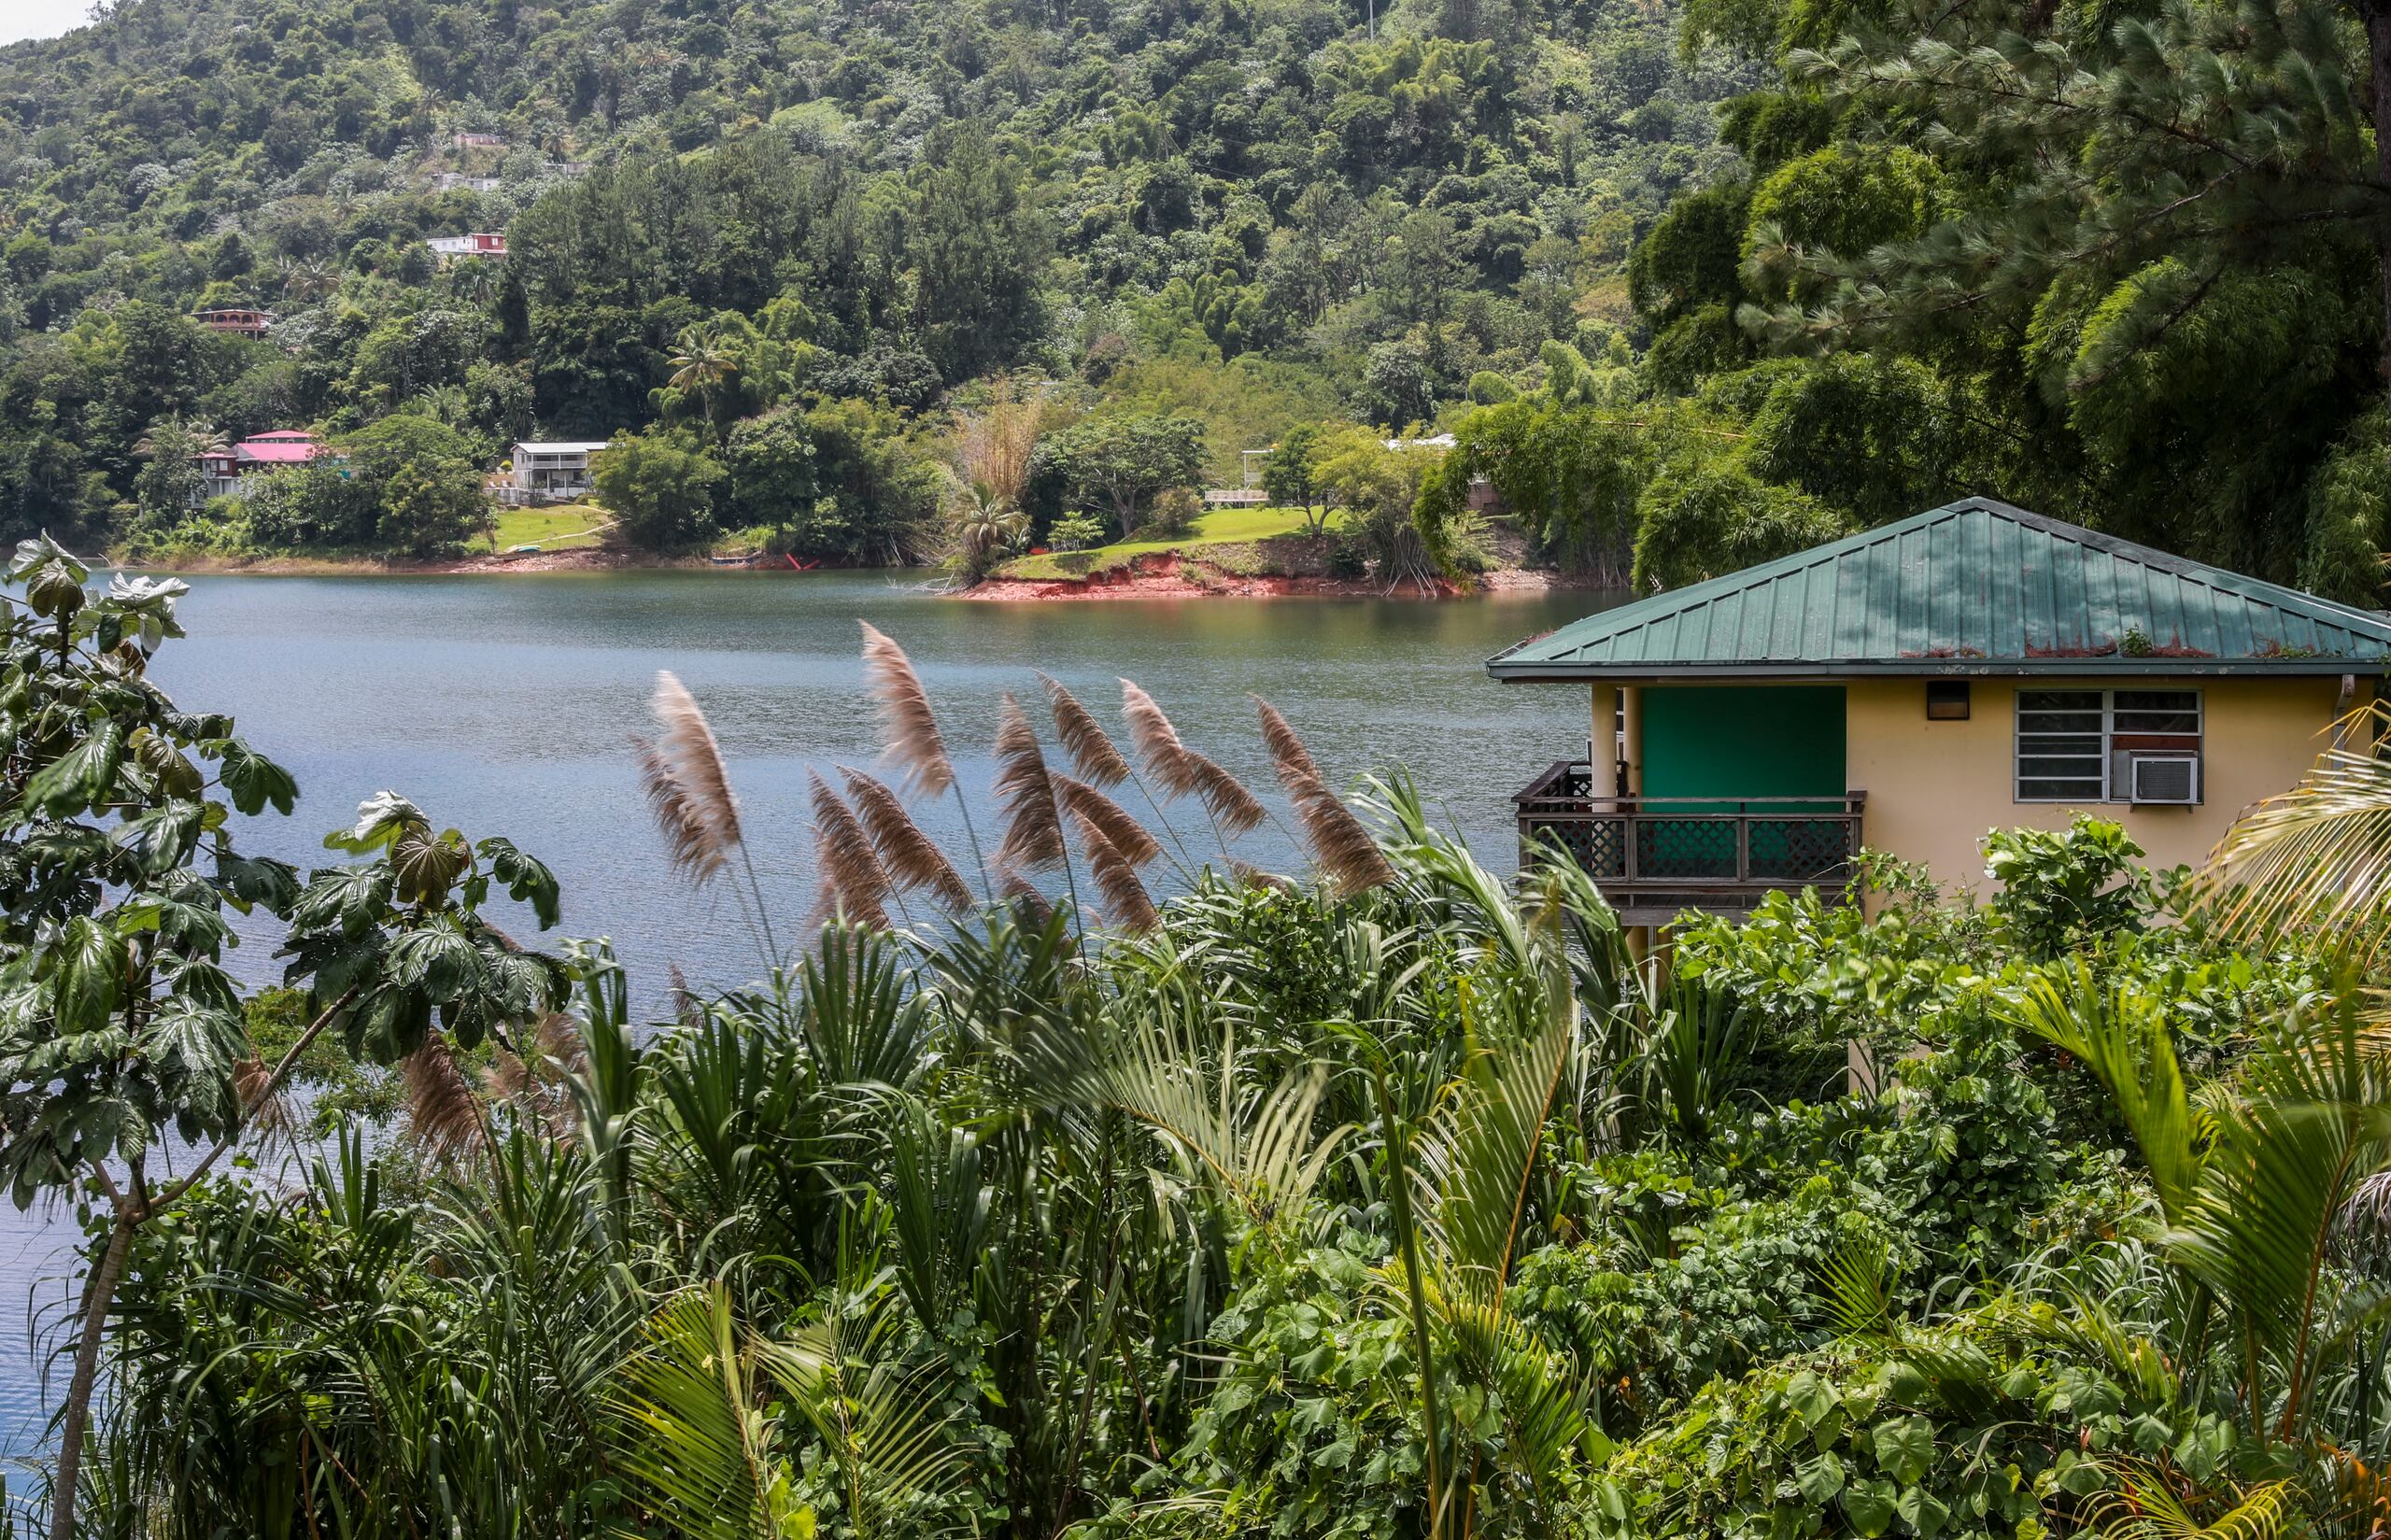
1166 574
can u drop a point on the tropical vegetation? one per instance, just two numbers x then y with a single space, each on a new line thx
1692 284
1085 1178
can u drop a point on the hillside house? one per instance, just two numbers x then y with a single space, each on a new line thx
1909 688
235 472
547 472
235 320
484 243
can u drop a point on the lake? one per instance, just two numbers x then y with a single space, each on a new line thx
504 705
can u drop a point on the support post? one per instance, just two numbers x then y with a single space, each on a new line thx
1632 739
1603 747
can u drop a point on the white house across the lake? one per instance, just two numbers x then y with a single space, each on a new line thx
551 471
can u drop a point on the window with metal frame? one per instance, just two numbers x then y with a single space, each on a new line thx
2069 741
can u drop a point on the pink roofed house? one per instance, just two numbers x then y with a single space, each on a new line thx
232 473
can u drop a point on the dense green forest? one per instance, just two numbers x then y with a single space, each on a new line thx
1695 286
1384 1197
785 240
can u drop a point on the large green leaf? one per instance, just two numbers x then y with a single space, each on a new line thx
528 881
252 780
437 960
87 974
81 777
1869 1505
1905 1448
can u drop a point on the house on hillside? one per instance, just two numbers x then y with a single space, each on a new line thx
549 471
485 244
235 472
1972 667
235 320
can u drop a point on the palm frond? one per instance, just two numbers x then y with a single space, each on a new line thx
1549 1437
2121 1036
913 859
692 1441
908 728
1084 739
1856 1294
1479 1156
2146 1506
2314 863
1161 1059
885 1426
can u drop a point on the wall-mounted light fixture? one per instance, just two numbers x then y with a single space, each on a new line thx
1946 700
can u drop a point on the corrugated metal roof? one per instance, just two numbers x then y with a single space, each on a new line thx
1974 587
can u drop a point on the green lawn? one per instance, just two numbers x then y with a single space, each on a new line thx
549 528
1229 526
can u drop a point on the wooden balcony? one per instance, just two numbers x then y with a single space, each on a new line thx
1654 857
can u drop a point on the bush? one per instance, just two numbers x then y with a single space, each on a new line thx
2061 891
660 491
1075 532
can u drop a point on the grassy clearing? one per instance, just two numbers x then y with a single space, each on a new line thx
1227 527
550 529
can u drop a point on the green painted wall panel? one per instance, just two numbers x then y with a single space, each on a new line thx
1743 740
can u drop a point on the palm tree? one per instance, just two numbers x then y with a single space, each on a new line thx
701 365
985 525
308 280
2257 1193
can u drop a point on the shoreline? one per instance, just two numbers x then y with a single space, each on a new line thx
580 559
1160 575
1170 574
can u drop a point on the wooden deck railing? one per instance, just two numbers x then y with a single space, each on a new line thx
1653 857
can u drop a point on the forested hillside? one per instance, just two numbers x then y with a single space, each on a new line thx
827 222
907 282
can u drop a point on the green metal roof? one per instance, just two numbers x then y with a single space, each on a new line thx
1975 587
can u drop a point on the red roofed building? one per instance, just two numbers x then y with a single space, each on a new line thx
232 473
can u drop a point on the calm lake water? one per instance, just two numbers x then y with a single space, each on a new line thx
503 706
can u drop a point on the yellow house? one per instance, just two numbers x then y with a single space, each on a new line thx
1907 689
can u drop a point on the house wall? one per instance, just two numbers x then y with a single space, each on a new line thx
1935 789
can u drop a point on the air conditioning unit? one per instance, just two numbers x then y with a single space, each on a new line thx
2163 778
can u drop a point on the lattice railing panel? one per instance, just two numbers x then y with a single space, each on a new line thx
1598 844
1800 850
1685 847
